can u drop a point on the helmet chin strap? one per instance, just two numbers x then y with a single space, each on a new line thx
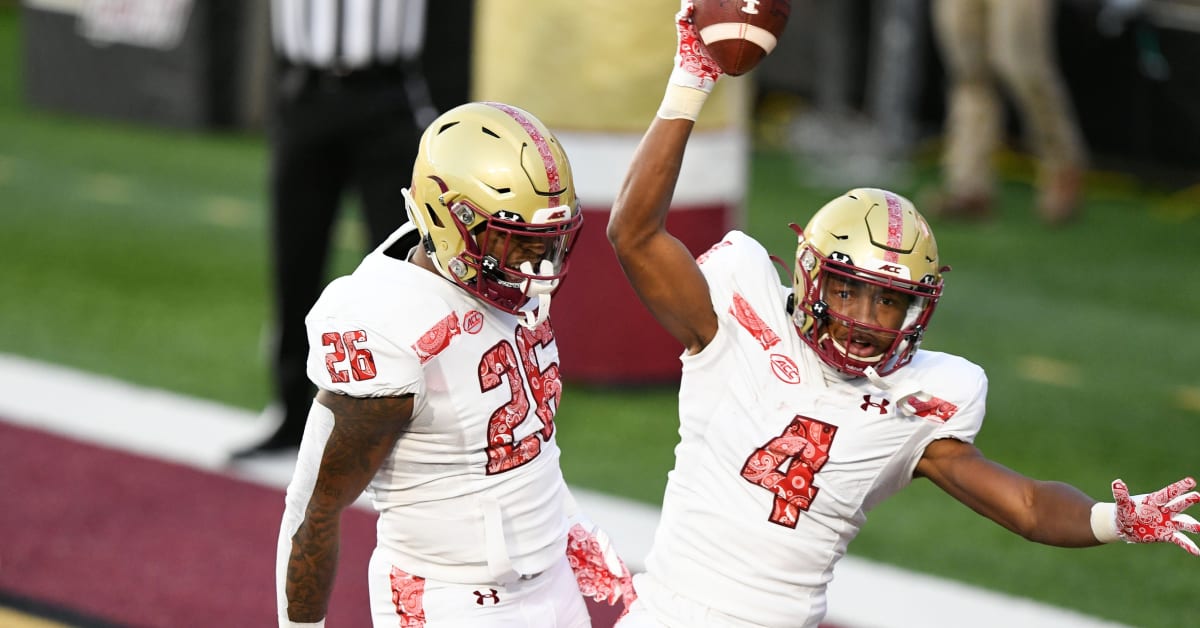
530 319
908 394
876 378
540 288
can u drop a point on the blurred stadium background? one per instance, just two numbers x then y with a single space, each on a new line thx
132 241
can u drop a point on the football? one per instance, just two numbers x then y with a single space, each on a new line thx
739 33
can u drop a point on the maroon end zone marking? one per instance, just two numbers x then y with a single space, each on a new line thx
134 541
141 542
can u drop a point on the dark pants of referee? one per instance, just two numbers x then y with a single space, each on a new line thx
331 134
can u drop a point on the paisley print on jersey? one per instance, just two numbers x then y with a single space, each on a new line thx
437 338
408 594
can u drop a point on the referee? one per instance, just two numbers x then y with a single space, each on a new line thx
349 107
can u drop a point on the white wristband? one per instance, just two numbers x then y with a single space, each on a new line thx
682 102
1104 522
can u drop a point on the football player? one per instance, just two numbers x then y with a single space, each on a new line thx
802 407
438 382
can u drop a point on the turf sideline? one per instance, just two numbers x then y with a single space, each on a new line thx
202 434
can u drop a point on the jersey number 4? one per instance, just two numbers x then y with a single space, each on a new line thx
804 447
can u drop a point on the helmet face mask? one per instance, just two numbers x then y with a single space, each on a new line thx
493 199
866 282
511 261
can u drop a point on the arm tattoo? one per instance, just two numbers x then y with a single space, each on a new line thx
364 433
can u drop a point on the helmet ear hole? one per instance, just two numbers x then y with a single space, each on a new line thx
434 217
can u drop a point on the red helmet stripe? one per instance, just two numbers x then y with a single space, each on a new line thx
895 227
543 146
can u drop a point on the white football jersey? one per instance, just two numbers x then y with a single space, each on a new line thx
780 458
472 491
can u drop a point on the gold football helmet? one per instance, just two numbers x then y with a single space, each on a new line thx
494 202
866 281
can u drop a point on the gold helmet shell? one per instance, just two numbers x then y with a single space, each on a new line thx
878 238
487 171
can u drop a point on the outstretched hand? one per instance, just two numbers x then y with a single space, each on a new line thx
1157 517
694 67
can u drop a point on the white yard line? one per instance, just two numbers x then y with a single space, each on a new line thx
202 434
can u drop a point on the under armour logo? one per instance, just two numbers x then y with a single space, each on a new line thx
493 596
867 403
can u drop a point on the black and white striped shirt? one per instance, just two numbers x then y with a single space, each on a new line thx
347 34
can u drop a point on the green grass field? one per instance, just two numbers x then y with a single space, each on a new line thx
140 253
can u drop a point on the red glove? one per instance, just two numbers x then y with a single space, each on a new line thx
599 571
1154 518
694 67
694 73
